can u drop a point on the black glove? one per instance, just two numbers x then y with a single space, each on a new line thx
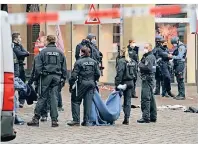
116 89
30 82
36 86
70 89
62 83
143 60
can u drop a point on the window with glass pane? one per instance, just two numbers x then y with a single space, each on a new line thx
169 30
116 33
116 28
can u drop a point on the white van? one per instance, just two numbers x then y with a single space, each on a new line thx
6 80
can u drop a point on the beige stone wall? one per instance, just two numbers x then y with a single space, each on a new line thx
191 76
22 29
141 29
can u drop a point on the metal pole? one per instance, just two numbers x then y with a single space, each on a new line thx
121 27
46 22
71 7
98 33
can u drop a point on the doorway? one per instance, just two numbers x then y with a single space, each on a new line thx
32 35
196 59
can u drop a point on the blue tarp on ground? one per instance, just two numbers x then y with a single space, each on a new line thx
105 113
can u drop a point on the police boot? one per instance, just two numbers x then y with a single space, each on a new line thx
180 98
73 123
164 94
43 119
55 124
171 94
34 122
20 105
143 121
126 121
84 123
177 96
156 93
134 96
60 109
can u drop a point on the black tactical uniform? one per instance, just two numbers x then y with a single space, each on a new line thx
125 75
16 66
94 52
148 106
133 54
44 111
78 47
165 68
21 53
51 68
84 75
179 56
158 74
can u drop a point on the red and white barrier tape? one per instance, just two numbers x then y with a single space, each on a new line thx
78 15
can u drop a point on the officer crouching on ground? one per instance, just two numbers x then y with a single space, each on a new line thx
82 85
51 68
165 67
147 67
125 75
179 56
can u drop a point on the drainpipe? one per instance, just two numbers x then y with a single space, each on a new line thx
46 22
71 7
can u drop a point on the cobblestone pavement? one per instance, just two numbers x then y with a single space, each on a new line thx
172 127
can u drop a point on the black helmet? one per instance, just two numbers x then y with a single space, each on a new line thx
174 40
158 38
90 36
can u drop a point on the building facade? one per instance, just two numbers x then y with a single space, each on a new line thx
110 33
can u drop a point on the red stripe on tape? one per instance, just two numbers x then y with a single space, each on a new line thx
110 13
165 10
41 17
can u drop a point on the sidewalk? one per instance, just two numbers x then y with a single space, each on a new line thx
172 127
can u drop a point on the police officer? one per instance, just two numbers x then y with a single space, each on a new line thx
165 68
51 69
90 43
158 74
79 46
82 86
99 53
44 112
133 51
178 57
21 54
125 75
147 67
